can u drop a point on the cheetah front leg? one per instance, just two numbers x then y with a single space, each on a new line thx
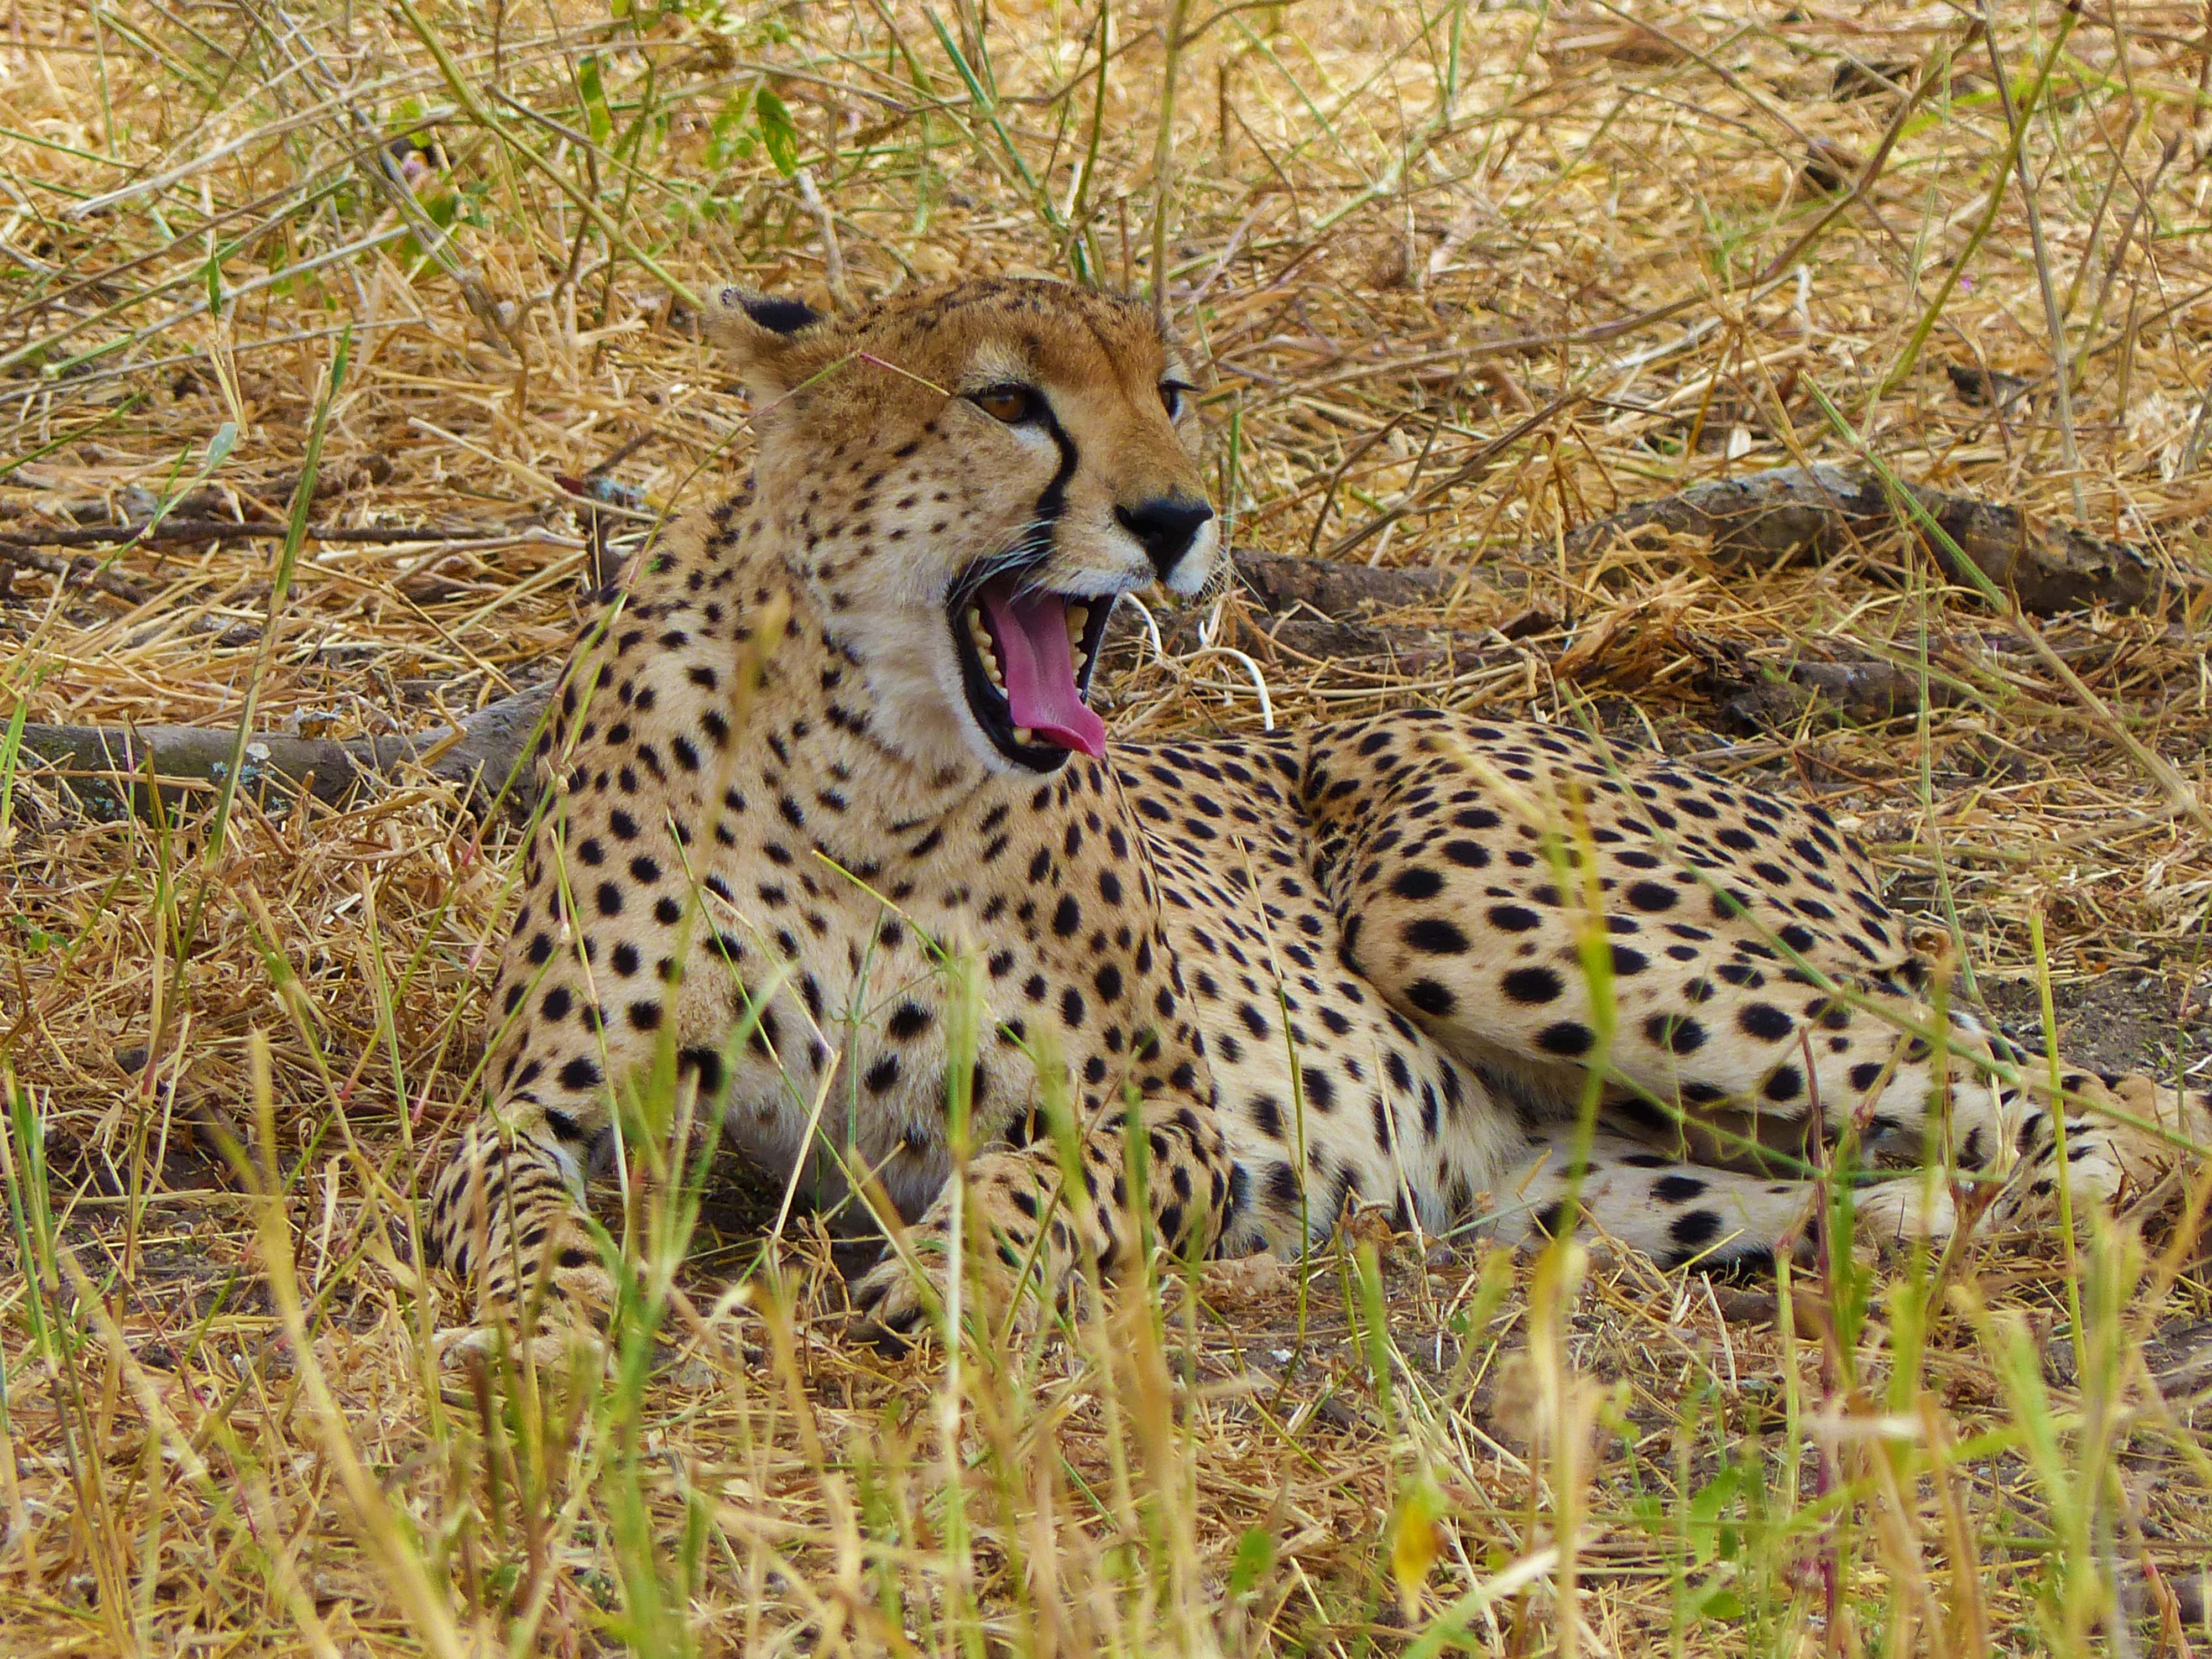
580 1022
505 1219
1685 1214
1040 1231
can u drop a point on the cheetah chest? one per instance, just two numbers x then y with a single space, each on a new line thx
860 1002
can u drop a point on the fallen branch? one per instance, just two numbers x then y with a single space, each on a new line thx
1339 592
225 530
1768 516
81 568
1828 510
1315 610
108 763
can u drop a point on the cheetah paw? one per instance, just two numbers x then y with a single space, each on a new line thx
1892 1214
472 1347
892 1304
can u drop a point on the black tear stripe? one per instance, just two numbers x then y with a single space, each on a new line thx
1034 548
1051 503
1051 508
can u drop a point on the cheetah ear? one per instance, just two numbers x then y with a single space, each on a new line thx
763 332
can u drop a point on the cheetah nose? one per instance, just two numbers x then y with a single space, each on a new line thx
1166 526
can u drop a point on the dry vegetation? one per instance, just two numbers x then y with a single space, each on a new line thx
1468 277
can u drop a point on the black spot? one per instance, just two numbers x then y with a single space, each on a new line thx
882 1076
1436 936
1513 918
1565 1037
1430 998
580 1073
1764 1021
707 1063
908 1022
1677 1188
1678 1034
1651 896
1417 882
1695 1229
1533 985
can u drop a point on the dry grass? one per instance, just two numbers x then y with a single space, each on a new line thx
1394 231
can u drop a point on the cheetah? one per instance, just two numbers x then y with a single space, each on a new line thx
828 779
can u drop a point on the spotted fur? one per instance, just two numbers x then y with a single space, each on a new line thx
1354 963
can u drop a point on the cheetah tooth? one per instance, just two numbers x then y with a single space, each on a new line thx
1024 735
981 636
1078 616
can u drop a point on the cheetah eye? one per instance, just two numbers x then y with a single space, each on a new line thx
1009 402
1171 396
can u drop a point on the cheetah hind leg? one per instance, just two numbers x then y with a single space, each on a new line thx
2124 1136
1683 1214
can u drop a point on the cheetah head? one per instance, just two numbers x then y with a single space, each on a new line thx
967 479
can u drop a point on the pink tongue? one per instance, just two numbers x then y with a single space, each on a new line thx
1040 674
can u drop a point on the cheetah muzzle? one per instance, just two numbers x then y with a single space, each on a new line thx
1027 652
1026 660
1303 970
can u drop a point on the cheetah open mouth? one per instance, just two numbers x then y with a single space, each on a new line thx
1026 657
